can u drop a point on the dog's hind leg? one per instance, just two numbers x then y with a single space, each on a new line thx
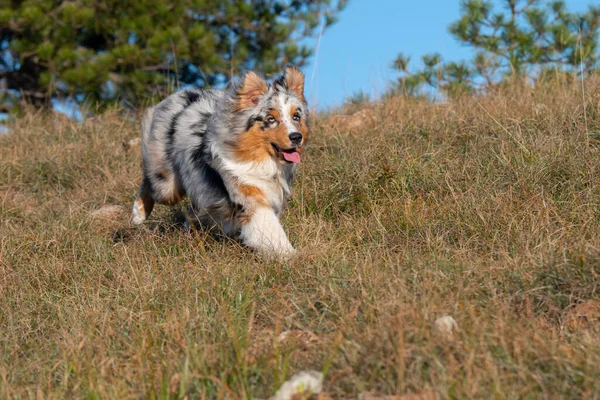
143 204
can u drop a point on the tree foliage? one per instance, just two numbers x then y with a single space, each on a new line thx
524 39
102 51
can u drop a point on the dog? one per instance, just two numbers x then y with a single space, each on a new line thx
233 152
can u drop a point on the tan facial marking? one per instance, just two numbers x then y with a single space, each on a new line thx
303 129
279 136
275 113
253 145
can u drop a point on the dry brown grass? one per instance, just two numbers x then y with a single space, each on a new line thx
486 209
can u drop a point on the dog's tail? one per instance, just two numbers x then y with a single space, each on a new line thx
147 123
146 131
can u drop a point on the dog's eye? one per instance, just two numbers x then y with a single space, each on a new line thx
270 119
296 117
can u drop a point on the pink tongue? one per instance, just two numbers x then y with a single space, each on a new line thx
293 157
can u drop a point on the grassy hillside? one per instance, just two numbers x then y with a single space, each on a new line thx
484 209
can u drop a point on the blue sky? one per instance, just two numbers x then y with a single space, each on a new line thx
355 54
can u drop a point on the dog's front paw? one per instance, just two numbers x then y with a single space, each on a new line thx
286 253
281 249
137 217
265 234
138 212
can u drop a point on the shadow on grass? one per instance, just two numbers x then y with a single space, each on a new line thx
175 223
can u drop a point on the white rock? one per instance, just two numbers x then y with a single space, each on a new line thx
445 326
282 336
305 382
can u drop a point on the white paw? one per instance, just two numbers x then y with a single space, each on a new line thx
138 213
265 234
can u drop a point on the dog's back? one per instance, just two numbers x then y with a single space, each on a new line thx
172 147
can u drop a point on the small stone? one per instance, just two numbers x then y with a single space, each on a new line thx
445 326
301 386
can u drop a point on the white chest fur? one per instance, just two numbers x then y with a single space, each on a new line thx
267 176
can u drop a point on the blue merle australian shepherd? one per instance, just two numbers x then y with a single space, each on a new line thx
233 153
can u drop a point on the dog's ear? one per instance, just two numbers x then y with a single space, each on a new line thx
294 80
249 90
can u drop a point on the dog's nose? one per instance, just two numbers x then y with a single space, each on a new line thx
296 138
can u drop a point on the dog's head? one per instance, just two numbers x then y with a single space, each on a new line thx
272 118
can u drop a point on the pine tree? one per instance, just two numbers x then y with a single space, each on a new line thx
526 39
103 51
